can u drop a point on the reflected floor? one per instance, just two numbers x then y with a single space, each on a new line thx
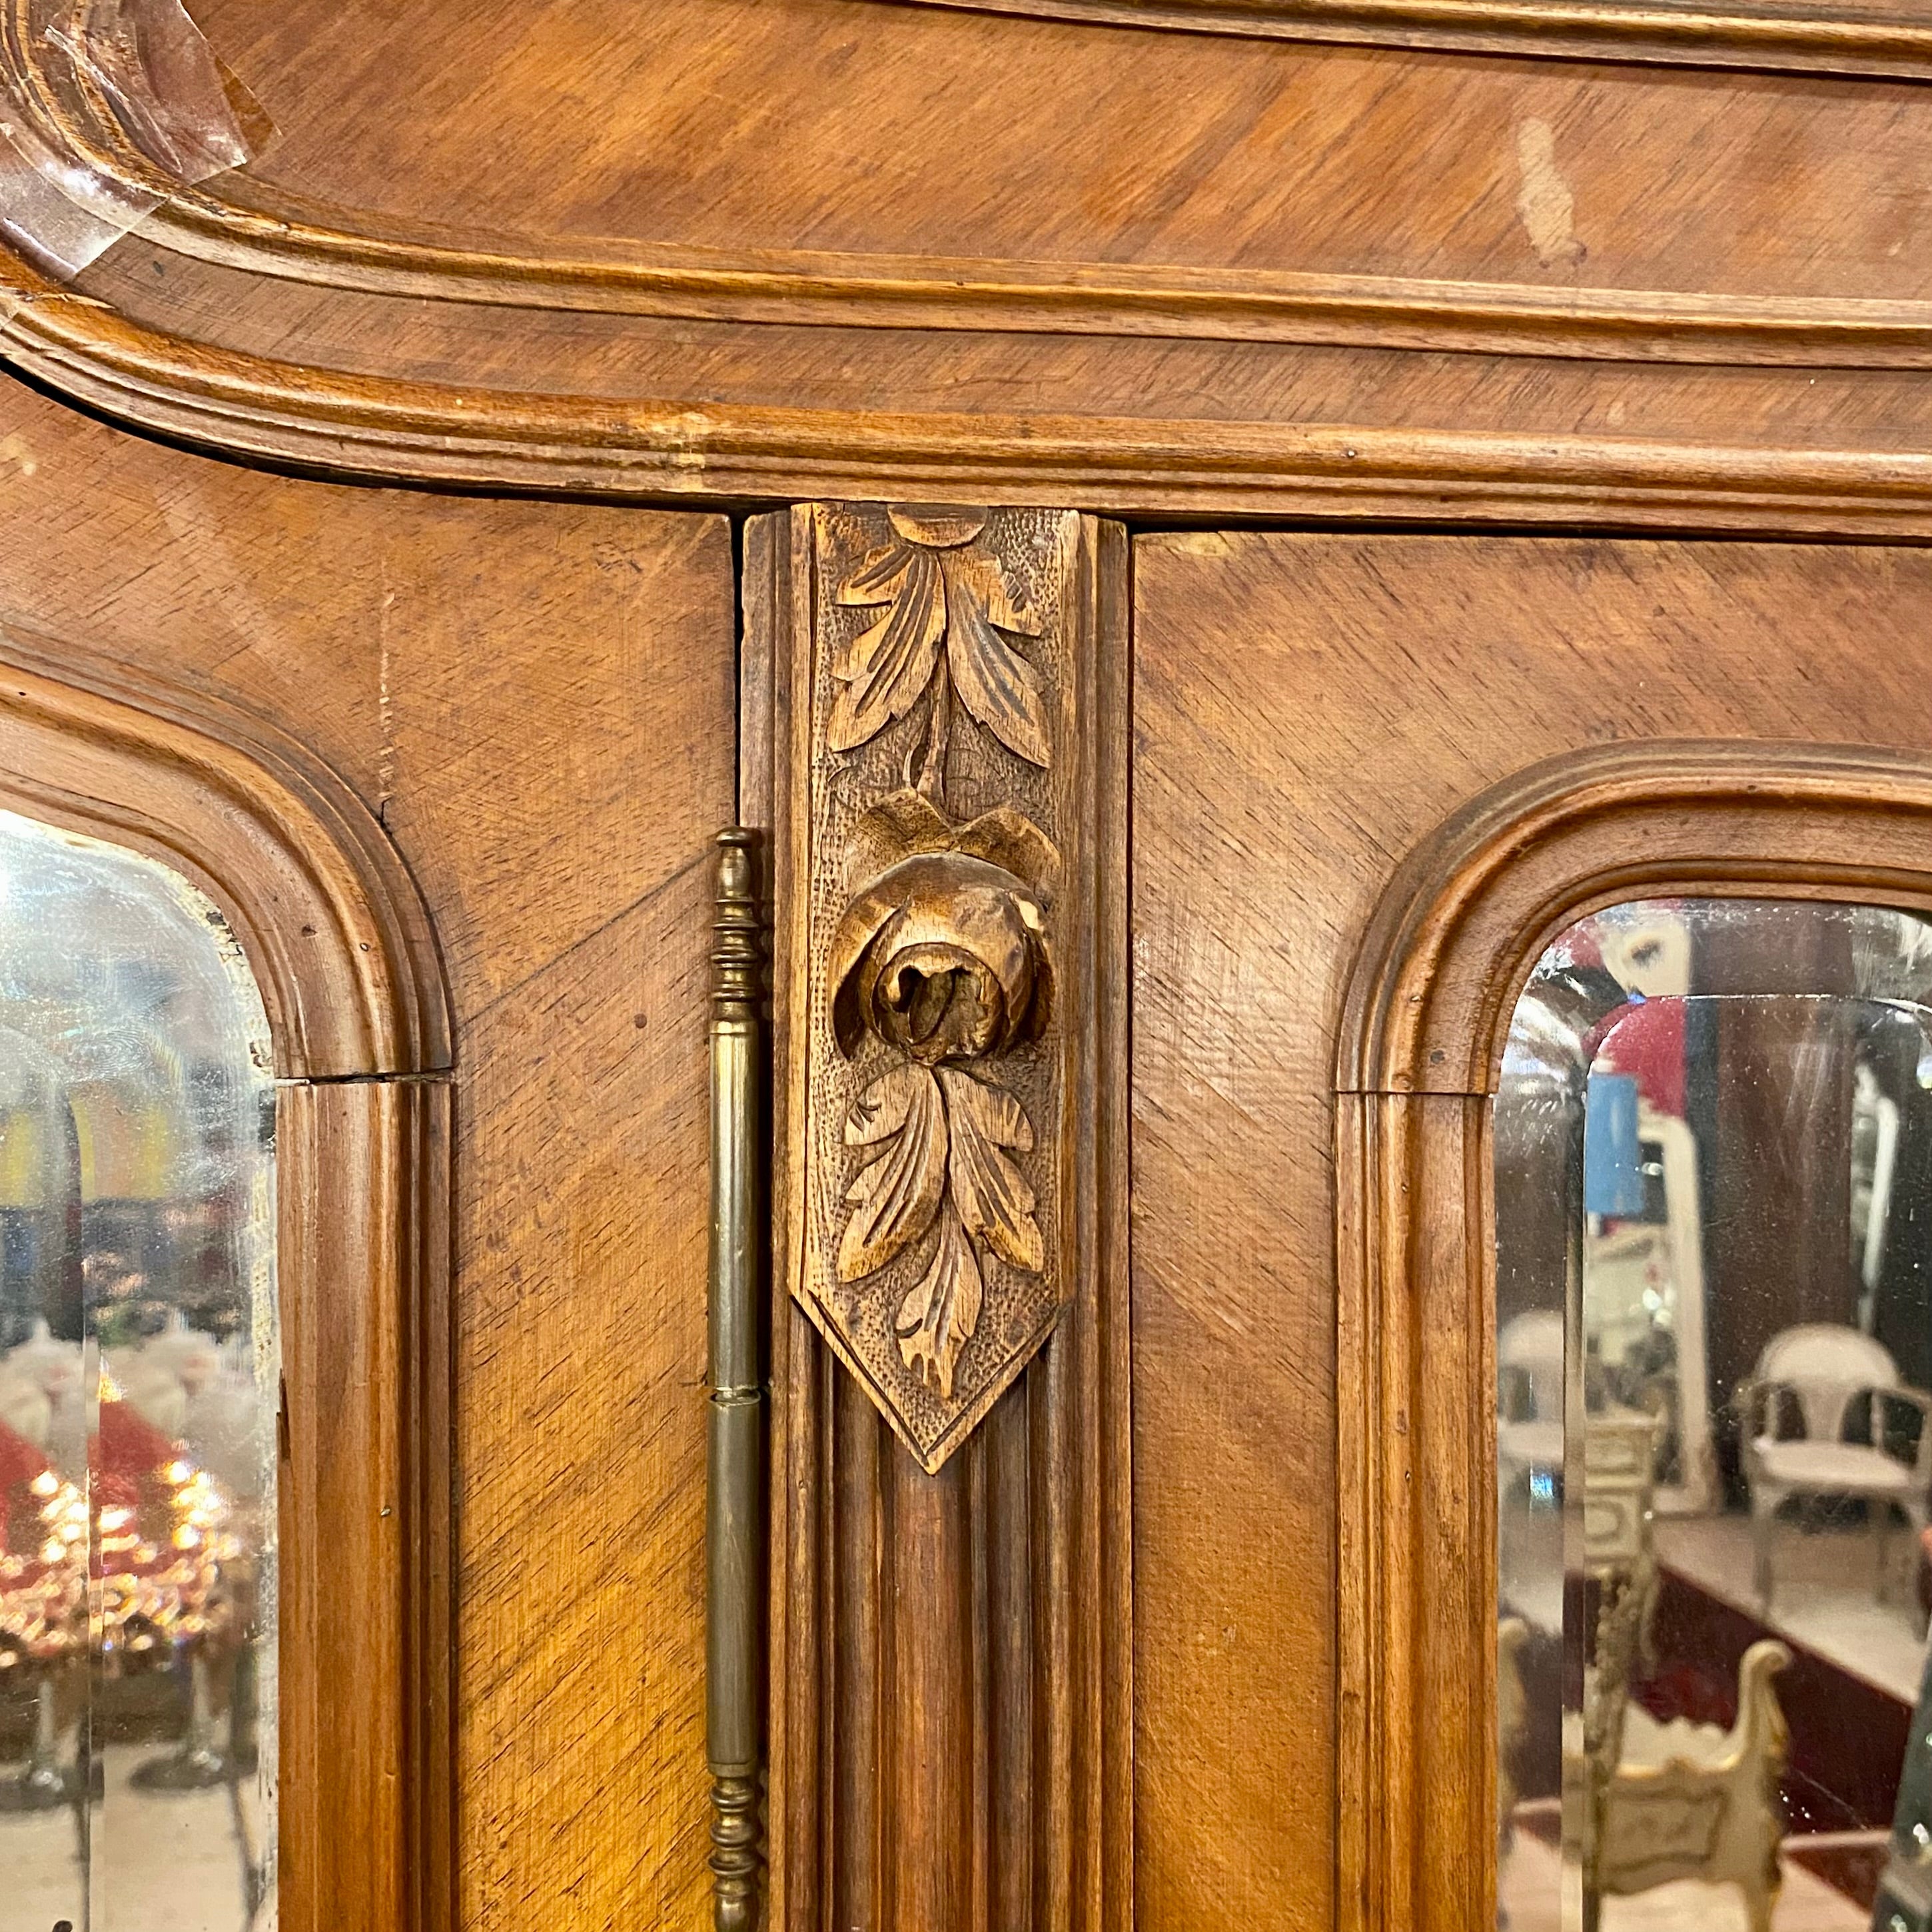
1825 1596
171 1863
1532 1881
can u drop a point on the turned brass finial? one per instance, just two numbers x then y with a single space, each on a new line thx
736 955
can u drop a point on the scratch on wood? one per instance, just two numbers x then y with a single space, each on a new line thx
1543 201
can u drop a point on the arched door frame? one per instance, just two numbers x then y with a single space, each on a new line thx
1424 1017
340 945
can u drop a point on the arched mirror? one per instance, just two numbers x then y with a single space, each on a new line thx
139 1380
1713 1151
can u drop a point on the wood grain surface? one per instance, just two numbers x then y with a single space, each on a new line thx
830 125
1186 273
537 701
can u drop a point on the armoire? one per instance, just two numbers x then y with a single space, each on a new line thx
1185 542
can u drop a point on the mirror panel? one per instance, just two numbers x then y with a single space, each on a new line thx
139 1380
1713 1149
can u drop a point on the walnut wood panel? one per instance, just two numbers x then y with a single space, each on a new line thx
950 1661
583 1136
537 701
367 298
1310 709
1091 148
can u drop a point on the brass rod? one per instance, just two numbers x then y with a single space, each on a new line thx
734 1583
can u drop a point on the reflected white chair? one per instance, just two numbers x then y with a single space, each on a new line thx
1829 1371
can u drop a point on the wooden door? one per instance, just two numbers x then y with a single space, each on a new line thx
1346 748
431 524
530 705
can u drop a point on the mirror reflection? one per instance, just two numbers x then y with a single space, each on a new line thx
1713 1147
140 1373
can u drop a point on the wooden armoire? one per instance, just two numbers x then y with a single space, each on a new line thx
1189 539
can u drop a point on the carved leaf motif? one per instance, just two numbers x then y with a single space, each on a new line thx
876 580
994 683
894 1198
994 1200
978 574
936 1319
885 669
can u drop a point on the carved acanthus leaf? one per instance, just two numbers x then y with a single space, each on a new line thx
937 1318
895 1194
994 683
885 670
994 1199
943 594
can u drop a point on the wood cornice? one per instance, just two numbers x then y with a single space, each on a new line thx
244 405
282 236
331 922
538 430
1874 40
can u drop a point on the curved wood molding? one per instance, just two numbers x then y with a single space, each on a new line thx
949 292
289 238
1873 40
253 407
1443 962
330 919
1452 941
260 409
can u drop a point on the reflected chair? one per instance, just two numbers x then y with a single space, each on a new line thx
1668 1802
1820 1375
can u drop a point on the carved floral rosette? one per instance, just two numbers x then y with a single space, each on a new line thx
936 1069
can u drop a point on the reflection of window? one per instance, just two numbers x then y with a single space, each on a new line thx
1713 1149
138 1370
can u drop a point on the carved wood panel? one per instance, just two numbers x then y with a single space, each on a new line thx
935 735
943 784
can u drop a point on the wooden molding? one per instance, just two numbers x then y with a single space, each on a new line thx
318 898
253 407
367 1796
1442 964
279 235
951 1652
1867 40
341 947
890 291
1429 1002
